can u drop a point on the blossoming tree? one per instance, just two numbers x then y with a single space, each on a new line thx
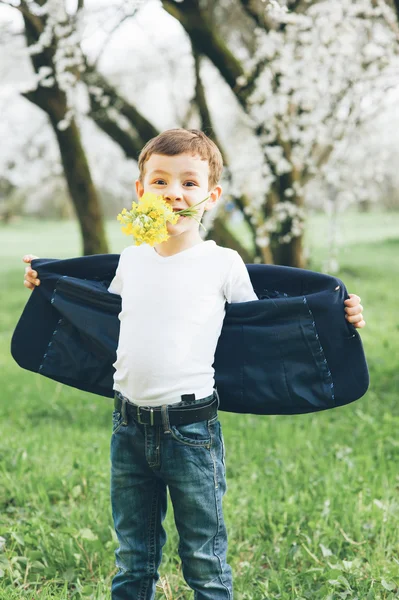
57 63
304 86
303 79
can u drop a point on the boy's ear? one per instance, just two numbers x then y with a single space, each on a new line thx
139 188
214 196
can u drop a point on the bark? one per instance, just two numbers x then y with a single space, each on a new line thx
144 130
76 169
257 13
222 236
140 131
206 40
82 189
127 140
219 231
77 173
289 254
202 105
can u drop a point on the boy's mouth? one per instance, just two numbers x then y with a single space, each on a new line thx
178 210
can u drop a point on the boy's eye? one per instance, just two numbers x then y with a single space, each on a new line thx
159 181
190 183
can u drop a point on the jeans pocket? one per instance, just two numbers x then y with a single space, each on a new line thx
116 420
192 434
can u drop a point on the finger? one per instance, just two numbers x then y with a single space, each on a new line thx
29 257
360 324
30 272
354 318
31 276
352 300
29 285
32 280
355 310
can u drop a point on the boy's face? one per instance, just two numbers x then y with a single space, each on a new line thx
183 181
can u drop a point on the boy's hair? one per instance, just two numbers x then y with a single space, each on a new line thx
184 141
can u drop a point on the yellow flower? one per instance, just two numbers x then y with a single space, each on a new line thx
147 219
127 229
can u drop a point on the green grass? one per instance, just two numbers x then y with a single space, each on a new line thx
312 505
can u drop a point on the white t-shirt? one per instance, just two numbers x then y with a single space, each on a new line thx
172 315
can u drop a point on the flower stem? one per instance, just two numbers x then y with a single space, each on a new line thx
199 223
189 211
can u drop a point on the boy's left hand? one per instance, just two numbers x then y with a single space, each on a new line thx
353 311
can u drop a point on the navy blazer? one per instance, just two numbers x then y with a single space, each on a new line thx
290 352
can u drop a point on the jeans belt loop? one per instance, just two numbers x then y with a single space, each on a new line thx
217 396
165 418
151 410
139 416
124 411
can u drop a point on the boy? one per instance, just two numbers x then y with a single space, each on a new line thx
166 430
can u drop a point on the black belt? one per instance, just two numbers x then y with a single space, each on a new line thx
147 415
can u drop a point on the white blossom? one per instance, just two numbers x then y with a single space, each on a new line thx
116 116
241 80
67 58
63 124
49 82
320 69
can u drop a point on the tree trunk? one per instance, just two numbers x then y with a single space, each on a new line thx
76 169
206 40
290 255
223 237
219 231
52 100
396 5
81 188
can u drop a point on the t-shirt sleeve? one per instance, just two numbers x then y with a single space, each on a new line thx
238 286
115 287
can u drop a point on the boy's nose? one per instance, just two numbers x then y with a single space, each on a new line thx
172 194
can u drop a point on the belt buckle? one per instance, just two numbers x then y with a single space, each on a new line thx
139 416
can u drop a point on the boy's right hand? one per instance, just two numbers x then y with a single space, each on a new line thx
31 281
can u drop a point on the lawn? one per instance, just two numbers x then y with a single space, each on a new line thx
312 505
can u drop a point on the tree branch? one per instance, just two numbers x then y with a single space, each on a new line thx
220 229
205 40
202 105
111 33
260 18
145 130
130 143
35 21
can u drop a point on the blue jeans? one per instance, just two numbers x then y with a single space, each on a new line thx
189 459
